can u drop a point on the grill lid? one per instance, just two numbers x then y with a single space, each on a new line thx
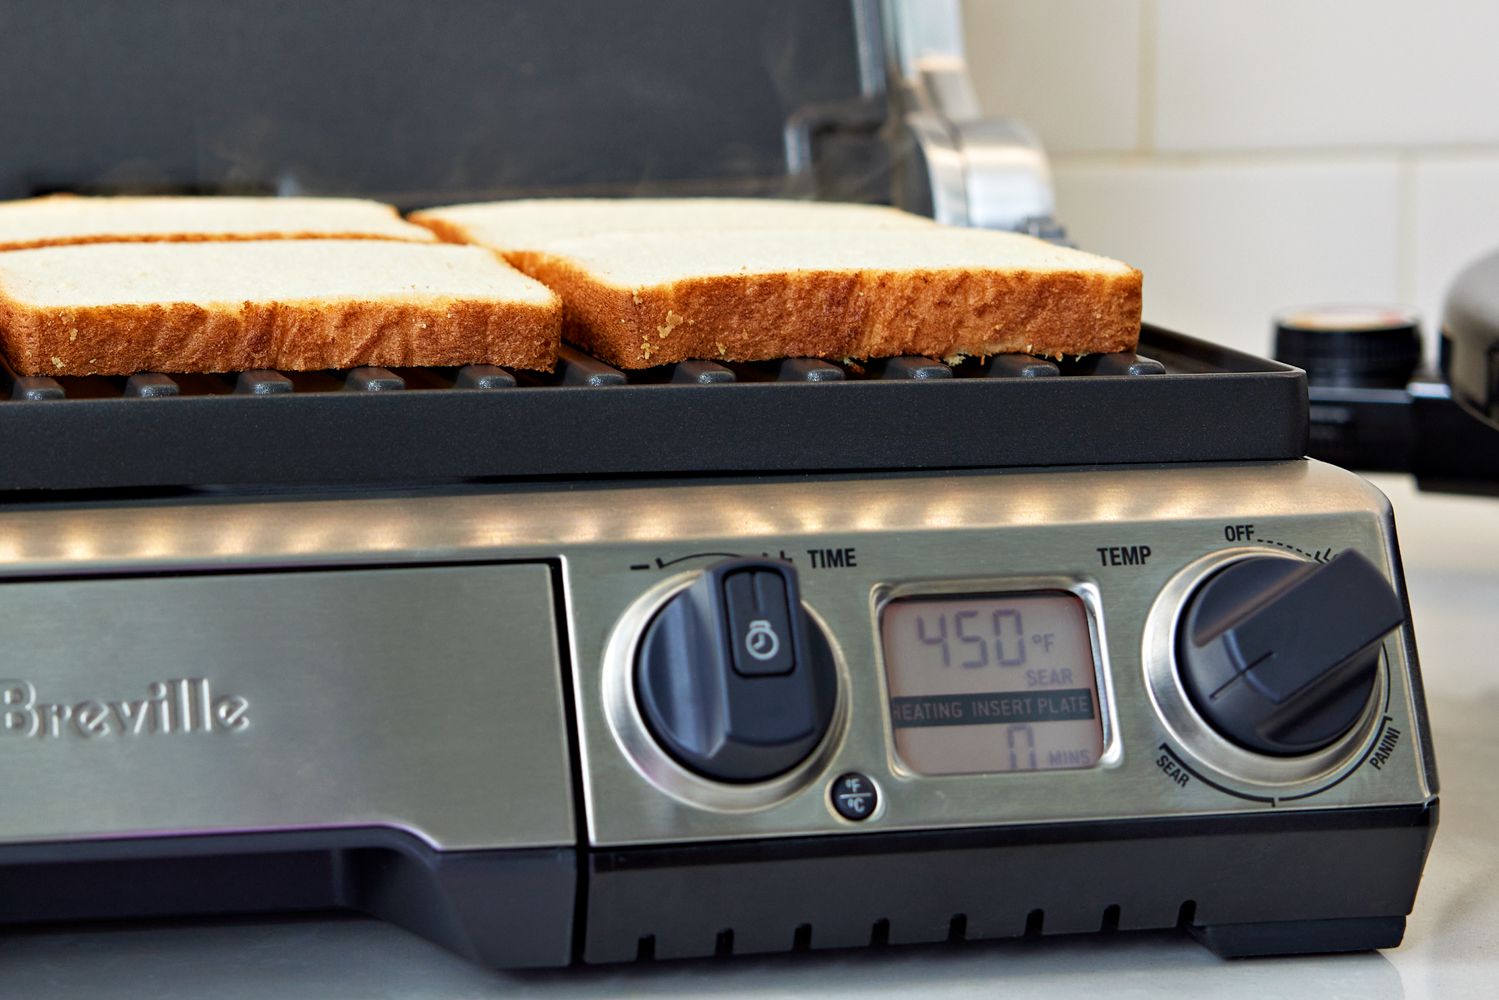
424 103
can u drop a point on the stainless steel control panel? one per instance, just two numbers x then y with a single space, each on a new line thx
1129 545
430 698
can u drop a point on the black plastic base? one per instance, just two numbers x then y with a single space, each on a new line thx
1272 883
1300 937
1265 884
506 909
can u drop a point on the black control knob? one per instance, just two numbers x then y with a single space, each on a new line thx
732 677
1280 656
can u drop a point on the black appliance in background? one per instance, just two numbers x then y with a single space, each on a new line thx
1374 405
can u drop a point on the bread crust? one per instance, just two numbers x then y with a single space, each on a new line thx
844 314
446 231
65 241
292 336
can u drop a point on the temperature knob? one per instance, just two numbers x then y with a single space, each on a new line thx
733 679
1280 655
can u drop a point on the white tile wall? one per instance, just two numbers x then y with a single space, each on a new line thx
1456 209
1068 68
1297 73
1224 247
1253 155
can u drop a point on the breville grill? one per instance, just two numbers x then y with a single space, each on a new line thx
707 659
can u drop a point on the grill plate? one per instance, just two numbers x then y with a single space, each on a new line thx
1183 400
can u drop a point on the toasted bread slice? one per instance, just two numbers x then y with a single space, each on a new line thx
519 229
646 298
62 219
119 308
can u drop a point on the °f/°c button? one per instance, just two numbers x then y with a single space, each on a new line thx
854 796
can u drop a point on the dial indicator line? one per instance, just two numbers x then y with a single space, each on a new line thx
663 563
1210 783
1321 555
1240 676
1383 724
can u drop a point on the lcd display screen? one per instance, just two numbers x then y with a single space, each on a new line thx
992 683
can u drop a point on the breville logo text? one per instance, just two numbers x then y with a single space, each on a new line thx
181 706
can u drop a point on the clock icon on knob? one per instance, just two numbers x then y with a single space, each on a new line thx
761 641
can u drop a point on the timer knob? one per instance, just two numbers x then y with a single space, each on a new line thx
1280 655
732 677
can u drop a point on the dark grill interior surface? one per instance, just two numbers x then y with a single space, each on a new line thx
425 103
1179 400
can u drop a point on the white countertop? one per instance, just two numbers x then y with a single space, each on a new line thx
1451 551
